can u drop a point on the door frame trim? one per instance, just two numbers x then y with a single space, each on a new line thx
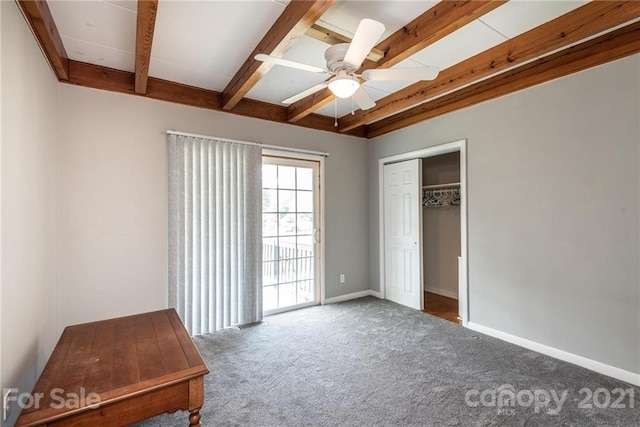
450 147
321 209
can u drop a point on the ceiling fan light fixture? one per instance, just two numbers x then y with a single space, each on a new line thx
344 86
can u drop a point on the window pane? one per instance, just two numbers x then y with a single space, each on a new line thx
287 270
305 201
305 223
269 225
305 291
305 269
287 294
305 246
305 178
287 224
269 273
287 247
269 176
286 201
269 248
287 177
270 297
269 200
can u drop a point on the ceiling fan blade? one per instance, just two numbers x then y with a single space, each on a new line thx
362 98
304 93
286 63
365 38
404 74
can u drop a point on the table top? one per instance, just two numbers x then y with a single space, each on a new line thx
115 359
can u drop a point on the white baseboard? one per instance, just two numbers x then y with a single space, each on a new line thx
443 292
375 294
590 364
354 295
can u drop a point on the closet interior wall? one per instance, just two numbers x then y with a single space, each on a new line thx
441 229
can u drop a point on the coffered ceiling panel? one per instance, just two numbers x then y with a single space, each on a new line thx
97 32
233 23
517 17
131 5
202 43
81 50
469 40
199 53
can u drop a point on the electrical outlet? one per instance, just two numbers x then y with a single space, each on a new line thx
342 278
5 403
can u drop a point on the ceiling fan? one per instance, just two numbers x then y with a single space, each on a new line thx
344 59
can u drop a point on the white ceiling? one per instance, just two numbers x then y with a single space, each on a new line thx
203 43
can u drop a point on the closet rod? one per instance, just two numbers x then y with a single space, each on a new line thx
436 186
259 144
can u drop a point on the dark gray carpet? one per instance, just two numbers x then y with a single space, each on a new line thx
370 362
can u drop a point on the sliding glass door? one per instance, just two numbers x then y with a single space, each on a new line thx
290 206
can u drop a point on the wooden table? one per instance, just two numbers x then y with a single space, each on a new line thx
137 366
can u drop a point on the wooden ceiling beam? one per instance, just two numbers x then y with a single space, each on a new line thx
39 18
439 21
585 21
147 10
609 47
98 77
293 23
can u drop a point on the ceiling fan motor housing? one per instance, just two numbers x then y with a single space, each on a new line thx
334 56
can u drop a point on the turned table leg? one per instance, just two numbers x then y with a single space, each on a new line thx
194 418
196 400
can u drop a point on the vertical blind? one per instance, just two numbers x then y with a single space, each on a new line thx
215 232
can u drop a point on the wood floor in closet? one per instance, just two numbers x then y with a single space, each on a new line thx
443 307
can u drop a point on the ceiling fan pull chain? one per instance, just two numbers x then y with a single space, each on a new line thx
335 109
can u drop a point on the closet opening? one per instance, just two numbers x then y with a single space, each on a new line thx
423 230
441 238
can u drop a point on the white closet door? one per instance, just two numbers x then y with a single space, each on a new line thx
402 220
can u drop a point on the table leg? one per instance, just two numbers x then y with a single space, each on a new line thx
194 418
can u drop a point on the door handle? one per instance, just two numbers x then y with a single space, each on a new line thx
315 236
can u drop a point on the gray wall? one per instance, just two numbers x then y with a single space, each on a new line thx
441 229
28 198
553 194
112 217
